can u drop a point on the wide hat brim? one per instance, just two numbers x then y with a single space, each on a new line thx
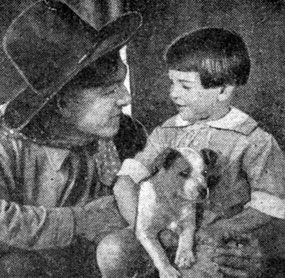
50 45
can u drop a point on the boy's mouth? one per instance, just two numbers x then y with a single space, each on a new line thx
180 106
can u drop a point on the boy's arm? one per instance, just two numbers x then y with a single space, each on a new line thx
132 172
244 253
127 187
246 221
126 194
264 165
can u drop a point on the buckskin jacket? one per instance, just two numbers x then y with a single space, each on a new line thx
38 184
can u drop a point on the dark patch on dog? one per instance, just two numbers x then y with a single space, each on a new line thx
170 158
211 173
165 159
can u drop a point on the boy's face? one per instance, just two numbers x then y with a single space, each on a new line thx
192 100
97 110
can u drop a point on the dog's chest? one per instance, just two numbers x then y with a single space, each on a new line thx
176 219
162 209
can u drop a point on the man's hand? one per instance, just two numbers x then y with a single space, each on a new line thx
238 252
240 257
97 219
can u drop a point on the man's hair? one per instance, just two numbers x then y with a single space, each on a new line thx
220 56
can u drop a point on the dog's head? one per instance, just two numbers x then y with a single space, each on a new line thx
186 170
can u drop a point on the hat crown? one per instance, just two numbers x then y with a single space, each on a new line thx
44 44
49 45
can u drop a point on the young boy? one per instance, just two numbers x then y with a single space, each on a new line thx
205 67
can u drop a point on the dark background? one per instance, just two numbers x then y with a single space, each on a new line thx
260 22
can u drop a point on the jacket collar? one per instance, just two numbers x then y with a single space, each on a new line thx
56 156
235 120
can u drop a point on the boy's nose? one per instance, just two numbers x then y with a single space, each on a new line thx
174 92
124 97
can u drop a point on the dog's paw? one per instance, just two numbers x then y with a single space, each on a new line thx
184 258
169 272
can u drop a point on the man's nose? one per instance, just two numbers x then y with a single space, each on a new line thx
124 97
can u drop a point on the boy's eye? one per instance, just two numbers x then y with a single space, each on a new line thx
185 174
186 87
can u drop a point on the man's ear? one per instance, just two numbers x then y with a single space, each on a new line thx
226 93
62 106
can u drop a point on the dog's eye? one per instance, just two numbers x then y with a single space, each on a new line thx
205 173
185 174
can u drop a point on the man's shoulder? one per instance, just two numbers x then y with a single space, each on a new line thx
13 140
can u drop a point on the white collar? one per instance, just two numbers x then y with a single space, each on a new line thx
235 120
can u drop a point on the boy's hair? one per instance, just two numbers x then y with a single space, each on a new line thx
220 56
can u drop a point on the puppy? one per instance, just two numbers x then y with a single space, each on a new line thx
168 200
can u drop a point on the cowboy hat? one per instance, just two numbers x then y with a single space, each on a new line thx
49 44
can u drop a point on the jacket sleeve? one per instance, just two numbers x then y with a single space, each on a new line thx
24 226
264 165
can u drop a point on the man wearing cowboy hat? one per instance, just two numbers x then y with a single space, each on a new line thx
62 140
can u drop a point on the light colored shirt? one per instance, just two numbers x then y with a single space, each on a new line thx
251 161
37 184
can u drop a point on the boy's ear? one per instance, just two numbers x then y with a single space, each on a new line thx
226 93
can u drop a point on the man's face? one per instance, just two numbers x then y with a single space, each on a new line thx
192 100
97 110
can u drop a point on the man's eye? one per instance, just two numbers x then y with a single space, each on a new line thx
109 92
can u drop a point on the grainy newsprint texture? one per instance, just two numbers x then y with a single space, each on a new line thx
64 211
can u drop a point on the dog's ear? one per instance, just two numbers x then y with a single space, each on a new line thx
165 159
171 156
210 157
213 170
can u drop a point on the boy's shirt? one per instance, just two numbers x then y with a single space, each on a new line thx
251 164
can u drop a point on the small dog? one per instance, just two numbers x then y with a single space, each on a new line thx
167 200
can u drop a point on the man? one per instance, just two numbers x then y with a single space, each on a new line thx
62 140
